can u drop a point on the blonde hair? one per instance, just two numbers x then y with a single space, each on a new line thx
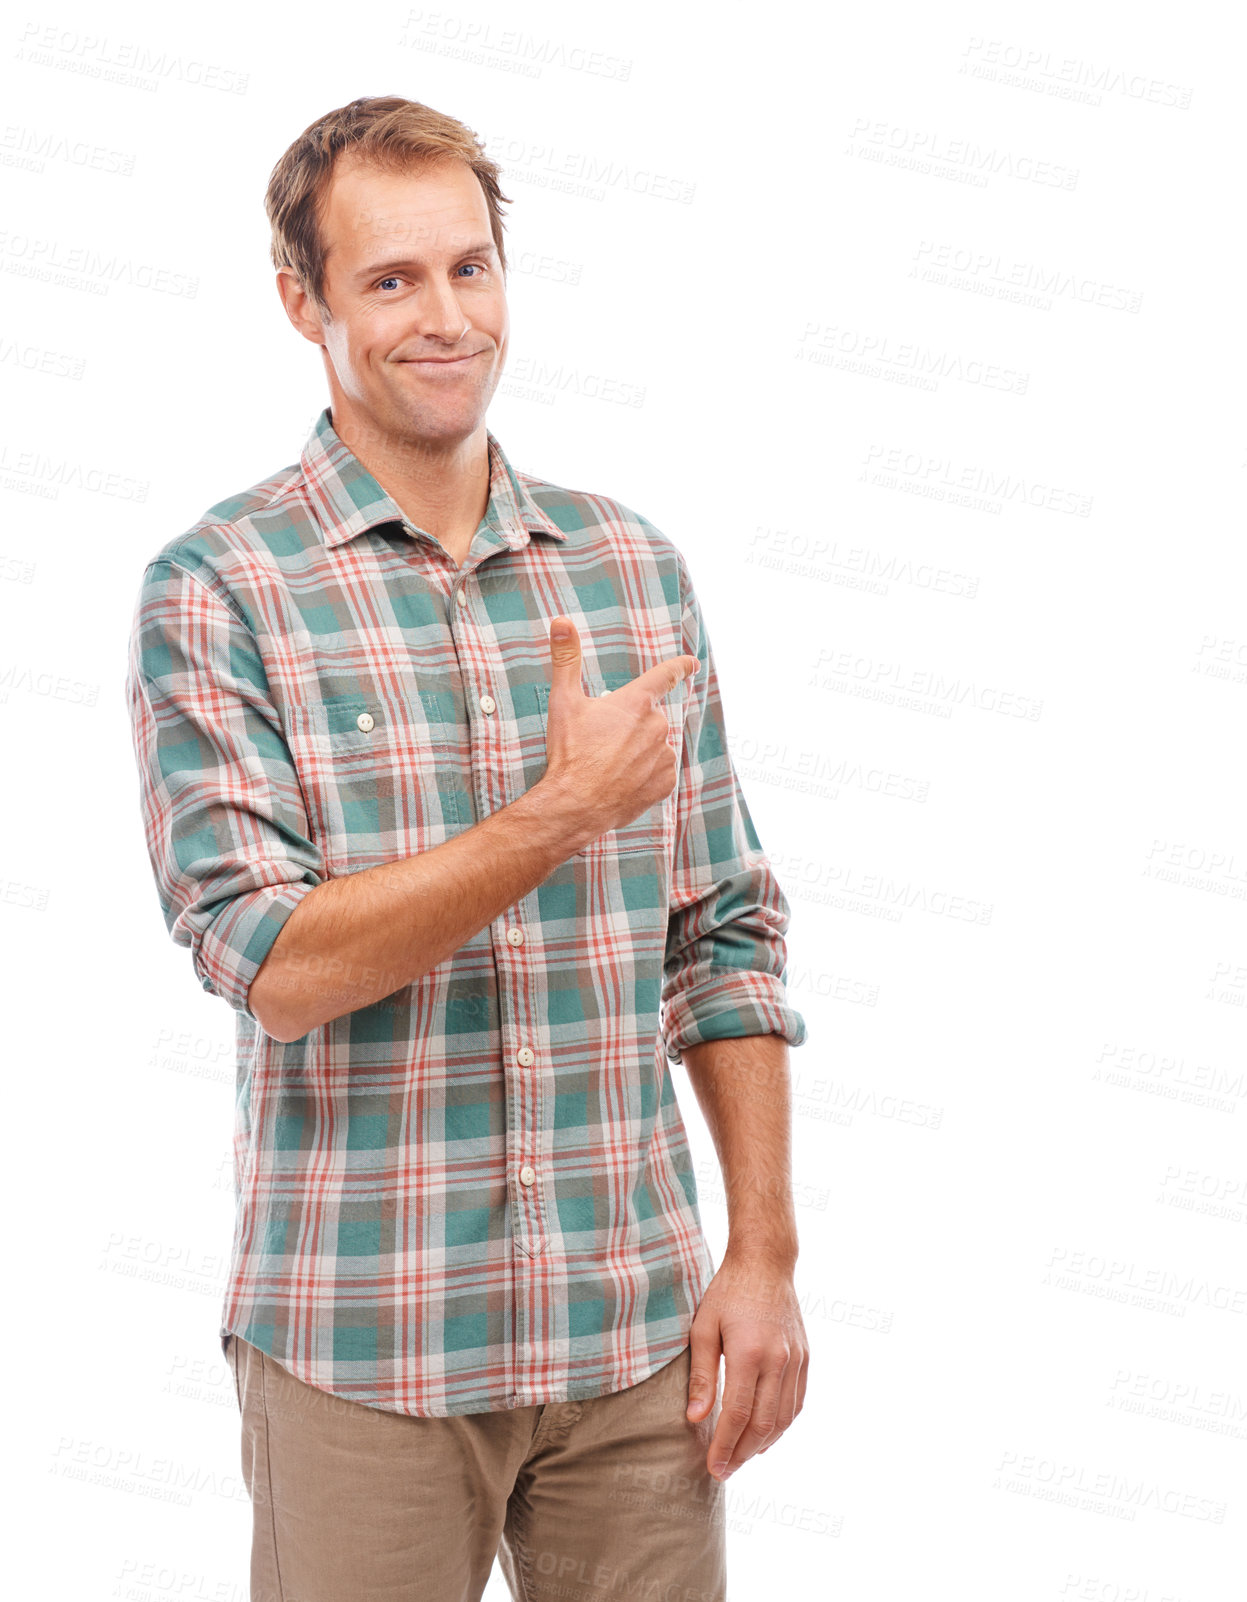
385 131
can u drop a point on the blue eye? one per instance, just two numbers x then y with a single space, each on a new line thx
477 266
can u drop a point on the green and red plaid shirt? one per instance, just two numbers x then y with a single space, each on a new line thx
478 1192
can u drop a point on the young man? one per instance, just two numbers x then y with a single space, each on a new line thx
436 791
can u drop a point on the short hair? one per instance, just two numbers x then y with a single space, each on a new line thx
385 131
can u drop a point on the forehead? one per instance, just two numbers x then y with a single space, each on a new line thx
432 210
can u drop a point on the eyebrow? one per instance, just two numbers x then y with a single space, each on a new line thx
480 248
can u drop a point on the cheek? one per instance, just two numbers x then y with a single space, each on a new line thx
497 323
342 343
362 343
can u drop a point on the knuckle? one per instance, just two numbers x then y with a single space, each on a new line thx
738 1414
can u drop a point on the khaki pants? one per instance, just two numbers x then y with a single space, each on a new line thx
587 1501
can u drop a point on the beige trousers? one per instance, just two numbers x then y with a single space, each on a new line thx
591 1501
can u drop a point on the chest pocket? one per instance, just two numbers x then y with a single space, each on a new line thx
378 779
651 832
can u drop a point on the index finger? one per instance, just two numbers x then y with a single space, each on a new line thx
663 677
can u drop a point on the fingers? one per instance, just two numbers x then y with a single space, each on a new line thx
564 657
703 1374
760 1400
739 1387
565 664
789 1402
661 679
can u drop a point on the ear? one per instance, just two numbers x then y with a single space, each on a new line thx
301 309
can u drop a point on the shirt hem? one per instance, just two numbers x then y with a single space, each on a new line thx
585 1389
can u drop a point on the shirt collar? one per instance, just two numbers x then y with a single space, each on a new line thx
347 499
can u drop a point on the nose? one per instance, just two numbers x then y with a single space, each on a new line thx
440 316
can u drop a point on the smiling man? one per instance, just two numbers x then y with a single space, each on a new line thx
436 790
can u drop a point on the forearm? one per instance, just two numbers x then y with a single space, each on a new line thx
358 938
742 1087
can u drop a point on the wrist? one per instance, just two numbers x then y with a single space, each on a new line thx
770 1248
562 812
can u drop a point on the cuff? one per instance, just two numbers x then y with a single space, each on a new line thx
727 1005
234 945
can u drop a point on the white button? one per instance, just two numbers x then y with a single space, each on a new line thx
524 1057
364 721
515 936
527 1175
462 597
488 703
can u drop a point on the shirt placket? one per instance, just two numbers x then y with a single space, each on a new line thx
528 1078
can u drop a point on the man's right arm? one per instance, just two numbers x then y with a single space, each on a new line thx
241 881
355 939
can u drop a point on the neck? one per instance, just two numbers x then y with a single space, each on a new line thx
440 486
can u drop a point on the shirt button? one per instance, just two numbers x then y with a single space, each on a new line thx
527 1175
515 936
461 596
524 1057
364 721
487 701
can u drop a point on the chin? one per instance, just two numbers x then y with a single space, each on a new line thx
443 425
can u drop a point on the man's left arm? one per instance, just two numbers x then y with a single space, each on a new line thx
750 1312
727 1013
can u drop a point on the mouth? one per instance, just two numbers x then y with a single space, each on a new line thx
443 361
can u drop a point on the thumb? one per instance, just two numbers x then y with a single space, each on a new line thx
564 656
703 1368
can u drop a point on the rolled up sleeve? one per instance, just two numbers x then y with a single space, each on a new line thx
725 968
223 811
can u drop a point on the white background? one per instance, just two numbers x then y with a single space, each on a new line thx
932 316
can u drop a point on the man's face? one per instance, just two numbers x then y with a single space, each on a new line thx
417 339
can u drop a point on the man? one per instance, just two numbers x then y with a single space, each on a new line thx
436 791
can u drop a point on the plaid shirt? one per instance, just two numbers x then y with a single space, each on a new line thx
476 1193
